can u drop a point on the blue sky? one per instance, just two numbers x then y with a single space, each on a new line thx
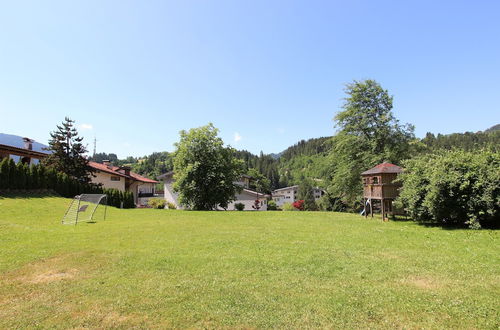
266 73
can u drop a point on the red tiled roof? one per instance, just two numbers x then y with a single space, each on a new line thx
120 172
383 168
141 178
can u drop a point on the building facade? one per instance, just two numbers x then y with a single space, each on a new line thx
123 179
289 195
285 195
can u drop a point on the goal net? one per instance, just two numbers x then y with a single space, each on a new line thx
85 208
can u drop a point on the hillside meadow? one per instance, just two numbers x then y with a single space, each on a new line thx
150 268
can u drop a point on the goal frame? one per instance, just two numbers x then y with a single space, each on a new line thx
78 199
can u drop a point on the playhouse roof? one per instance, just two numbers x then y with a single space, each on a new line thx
383 168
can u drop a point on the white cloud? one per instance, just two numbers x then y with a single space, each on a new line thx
237 137
86 127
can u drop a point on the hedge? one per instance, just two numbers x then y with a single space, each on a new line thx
24 177
453 187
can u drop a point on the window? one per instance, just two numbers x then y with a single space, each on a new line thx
115 178
375 180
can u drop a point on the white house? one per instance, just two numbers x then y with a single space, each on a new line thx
247 197
123 179
289 194
285 195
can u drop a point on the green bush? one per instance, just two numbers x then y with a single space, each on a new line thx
271 205
288 207
454 187
171 206
157 203
239 206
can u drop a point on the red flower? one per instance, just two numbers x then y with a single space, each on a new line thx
299 205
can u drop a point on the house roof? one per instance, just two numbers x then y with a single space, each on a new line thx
286 188
383 168
22 152
164 175
254 193
119 171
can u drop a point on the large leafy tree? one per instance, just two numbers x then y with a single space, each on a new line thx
368 133
205 170
68 152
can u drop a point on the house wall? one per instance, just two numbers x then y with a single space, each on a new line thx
317 193
170 195
279 200
248 200
105 179
138 186
285 196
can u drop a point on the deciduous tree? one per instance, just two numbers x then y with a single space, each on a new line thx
205 170
368 134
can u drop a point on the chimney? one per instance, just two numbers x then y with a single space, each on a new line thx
126 170
106 162
28 143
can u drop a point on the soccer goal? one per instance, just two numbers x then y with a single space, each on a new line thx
85 208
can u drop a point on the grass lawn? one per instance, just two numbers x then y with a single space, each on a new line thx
160 268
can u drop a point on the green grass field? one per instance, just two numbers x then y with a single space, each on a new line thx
176 269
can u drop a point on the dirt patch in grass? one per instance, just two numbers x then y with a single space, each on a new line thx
52 276
423 282
58 268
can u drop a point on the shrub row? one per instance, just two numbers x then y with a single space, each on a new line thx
23 177
119 198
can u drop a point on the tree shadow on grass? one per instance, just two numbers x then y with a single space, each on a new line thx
443 225
23 194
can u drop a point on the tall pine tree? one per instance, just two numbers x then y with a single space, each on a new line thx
68 152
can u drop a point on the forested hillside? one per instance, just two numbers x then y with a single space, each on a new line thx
469 141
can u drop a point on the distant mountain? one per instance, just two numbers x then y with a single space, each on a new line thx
275 156
493 128
17 141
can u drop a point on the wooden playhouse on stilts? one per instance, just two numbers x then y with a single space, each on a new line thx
380 188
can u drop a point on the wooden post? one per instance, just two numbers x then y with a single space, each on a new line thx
383 209
364 207
371 207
